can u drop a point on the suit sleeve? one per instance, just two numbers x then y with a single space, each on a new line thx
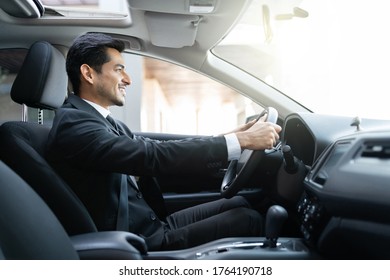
86 141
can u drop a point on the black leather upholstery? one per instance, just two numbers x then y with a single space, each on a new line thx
28 228
22 146
42 80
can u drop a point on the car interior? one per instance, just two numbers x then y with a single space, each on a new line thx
323 189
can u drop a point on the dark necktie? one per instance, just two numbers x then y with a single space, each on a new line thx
112 121
122 222
115 125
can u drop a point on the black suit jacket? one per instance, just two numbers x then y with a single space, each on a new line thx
91 155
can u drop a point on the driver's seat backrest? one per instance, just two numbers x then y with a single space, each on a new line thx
21 147
42 83
28 228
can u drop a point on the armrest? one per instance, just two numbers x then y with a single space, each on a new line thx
108 245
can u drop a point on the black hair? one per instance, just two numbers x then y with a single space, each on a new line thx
89 48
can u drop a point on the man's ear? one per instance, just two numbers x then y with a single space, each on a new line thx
86 73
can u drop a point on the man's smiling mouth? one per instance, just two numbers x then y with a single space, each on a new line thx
122 89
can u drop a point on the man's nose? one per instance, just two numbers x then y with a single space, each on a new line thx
126 78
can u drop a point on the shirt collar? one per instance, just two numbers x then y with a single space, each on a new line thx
103 111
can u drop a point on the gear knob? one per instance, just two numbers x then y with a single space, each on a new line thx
275 218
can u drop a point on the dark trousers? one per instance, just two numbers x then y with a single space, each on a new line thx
210 221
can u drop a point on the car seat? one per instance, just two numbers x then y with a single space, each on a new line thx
42 83
28 228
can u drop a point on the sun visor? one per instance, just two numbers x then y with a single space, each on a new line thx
172 30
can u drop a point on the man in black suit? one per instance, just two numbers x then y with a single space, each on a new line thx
96 155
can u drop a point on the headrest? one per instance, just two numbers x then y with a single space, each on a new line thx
42 80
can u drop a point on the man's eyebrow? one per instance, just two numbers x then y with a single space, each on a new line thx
120 65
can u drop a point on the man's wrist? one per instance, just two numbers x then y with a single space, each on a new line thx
233 146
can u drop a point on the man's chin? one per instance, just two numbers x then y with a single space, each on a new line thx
120 102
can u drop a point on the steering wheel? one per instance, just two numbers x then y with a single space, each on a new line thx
239 171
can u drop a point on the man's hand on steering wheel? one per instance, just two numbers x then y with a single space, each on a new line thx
260 136
254 138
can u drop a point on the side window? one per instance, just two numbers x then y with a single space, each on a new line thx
178 100
10 62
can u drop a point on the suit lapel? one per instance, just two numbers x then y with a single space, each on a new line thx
80 104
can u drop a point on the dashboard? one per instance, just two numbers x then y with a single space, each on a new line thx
344 211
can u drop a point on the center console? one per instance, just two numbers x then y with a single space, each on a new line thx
248 248
256 248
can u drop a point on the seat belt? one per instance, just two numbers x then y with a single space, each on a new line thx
122 222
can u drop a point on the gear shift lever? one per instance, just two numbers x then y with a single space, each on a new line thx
274 220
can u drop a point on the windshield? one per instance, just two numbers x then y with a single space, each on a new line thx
331 56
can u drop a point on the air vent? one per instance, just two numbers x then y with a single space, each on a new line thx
376 151
321 178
